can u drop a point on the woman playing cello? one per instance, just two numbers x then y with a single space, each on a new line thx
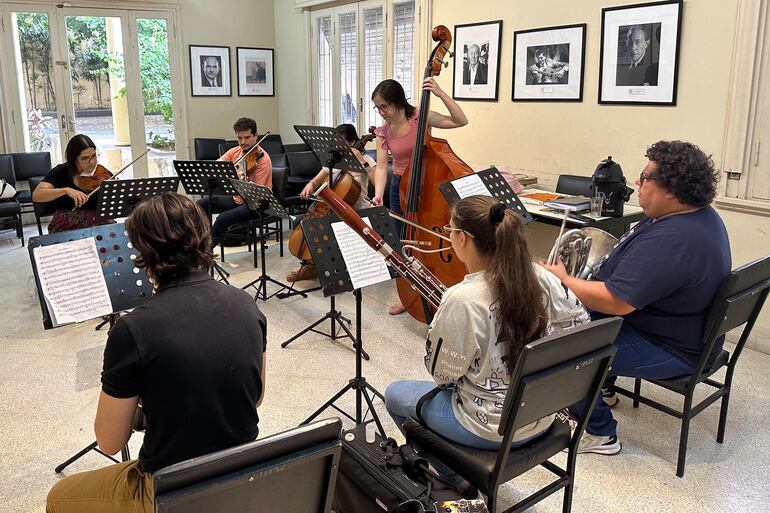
68 185
398 135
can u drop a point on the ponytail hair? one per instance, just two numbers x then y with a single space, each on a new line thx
498 232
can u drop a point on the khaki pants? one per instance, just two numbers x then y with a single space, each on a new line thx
119 488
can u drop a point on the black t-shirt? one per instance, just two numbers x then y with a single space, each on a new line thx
59 178
193 354
669 271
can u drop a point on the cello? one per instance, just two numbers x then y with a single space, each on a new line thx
345 186
433 162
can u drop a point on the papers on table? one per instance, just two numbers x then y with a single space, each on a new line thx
365 266
72 281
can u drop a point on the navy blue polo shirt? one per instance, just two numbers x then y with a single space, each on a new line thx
669 270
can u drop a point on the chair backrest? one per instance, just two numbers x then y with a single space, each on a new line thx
296 147
42 209
272 147
27 165
7 171
273 138
223 147
575 185
280 181
303 164
207 148
279 160
738 301
291 471
557 371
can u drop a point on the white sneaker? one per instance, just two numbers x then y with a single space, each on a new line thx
607 445
611 398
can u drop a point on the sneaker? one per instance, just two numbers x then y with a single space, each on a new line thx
306 272
610 397
607 445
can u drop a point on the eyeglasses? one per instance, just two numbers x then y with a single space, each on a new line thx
381 108
447 229
643 177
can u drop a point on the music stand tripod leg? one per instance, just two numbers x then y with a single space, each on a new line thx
261 282
83 452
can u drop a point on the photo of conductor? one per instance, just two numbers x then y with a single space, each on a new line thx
475 58
548 64
638 52
211 71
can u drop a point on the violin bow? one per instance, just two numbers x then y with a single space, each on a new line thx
238 162
88 196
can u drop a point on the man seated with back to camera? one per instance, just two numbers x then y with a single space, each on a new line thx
199 370
257 168
661 277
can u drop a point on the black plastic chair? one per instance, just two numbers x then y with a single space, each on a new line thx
27 166
207 148
295 147
11 207
279 160
303 166
575 185
42 209
294 471
738 302
551 374
222 148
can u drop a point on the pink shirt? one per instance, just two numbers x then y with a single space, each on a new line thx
400 148
263 175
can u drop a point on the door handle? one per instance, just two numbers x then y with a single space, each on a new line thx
63 122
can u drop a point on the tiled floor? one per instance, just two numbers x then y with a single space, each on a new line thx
49 383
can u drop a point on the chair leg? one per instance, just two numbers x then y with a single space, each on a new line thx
39 226
492 500
221 252
20 231
567 505
637 391
280 238
723 417
683 436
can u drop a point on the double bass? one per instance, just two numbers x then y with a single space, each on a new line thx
433 162
344 186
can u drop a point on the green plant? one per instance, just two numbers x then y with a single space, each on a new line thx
165 142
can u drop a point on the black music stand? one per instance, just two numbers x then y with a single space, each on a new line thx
494 182
208 178
118 198
260 199
128 285
335 278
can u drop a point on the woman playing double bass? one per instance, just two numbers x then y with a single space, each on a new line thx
69 185
398 135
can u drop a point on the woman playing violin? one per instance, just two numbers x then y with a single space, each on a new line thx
69 184
398 135
348 132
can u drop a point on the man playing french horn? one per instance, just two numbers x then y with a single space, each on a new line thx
661 277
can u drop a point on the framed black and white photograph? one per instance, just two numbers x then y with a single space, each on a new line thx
548 63
477 61
640 53
255 71
210 70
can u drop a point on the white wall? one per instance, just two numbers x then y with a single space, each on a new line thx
293 82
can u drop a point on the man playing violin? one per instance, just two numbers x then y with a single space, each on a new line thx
256 167
68 185
348 132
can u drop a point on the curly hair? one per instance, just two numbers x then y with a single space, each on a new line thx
242 124
172 236
685 171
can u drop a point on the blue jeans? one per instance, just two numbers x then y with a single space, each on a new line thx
401 399
636 357
230 213
395 204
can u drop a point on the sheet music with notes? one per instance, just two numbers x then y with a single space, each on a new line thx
470 185
365 266
72 281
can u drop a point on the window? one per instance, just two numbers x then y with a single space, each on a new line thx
355 47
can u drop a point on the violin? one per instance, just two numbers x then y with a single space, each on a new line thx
250 159
87 183
360 144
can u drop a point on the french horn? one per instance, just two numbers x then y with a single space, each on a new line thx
581 249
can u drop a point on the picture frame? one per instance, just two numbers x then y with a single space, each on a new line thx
639 58
256 71
210 70
477 55
549 64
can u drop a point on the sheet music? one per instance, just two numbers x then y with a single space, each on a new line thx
72 281
470 185
365 266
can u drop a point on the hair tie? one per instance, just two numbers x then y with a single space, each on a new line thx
497 213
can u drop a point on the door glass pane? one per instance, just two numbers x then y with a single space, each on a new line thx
373 58
155 73
34 61
325 76
97 73
403 45
348 84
